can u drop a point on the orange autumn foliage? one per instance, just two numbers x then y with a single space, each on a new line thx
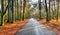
11 29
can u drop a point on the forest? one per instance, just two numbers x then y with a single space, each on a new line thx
14 14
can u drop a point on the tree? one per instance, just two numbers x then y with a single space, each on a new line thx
2 13
20 9
39 8
17 11
27 13
47 12
57 10
24 4
53 10
10 11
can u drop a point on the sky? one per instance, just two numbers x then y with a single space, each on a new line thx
0 4
31 2
34 1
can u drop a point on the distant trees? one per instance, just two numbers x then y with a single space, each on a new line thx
27 11
47 9
19 10
55 10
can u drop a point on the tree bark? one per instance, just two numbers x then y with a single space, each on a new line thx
39 8
24 3
2 15
47 13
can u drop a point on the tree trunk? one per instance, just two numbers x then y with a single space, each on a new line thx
49 10
40 8
12 11
20 9
47 13
9 14
2 15
57 10
24 3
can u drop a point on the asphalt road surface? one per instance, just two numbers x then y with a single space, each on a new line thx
33 27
